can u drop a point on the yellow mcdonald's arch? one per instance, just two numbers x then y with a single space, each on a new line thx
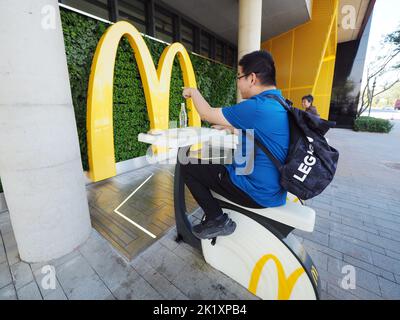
285 285
156 85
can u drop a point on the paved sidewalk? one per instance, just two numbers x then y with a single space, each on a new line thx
96 270
358 217
358 224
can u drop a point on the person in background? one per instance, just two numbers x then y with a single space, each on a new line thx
307 103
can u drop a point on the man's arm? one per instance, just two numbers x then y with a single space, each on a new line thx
206 112
228 128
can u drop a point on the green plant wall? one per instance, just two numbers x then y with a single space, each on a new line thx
81 35
216 82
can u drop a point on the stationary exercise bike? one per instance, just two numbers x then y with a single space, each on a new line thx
262 254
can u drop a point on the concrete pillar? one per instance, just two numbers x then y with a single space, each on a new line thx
40 162
250 13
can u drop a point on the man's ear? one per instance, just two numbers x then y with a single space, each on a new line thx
253 79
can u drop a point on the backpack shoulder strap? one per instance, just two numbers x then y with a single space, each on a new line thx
274 160
285 104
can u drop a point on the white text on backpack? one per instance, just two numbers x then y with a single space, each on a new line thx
308 162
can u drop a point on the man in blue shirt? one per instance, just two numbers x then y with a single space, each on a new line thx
260 186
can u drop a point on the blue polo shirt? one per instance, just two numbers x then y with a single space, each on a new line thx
271 127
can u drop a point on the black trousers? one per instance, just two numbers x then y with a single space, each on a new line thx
201 178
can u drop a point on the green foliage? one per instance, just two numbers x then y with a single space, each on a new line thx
81 35
394 38
372 125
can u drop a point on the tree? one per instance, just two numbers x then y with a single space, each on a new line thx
375 72
394 39
389 97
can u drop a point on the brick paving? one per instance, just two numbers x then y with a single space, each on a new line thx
358 218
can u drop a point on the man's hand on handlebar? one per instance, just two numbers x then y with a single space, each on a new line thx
228 128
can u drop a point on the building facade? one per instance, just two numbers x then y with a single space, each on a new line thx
317 45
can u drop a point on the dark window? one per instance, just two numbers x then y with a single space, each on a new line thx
187 35
164 24
230 58
168 26
205 44
219 51
134 11
98 8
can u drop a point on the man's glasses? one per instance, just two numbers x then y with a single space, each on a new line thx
245 75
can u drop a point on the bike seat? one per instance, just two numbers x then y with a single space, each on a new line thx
293 214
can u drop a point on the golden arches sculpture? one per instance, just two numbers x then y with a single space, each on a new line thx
156 85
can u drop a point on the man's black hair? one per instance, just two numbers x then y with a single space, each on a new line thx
261 63
309 98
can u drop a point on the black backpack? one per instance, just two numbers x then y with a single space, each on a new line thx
311 162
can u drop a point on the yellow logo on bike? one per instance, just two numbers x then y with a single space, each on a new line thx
314 273
285 285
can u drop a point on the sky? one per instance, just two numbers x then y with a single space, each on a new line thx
385 19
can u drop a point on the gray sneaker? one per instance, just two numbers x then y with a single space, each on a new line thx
209 229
